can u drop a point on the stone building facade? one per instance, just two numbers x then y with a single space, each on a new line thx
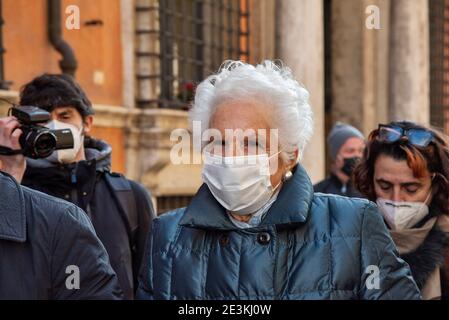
138 61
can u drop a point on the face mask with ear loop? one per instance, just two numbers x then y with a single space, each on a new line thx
241 184
402 215
349 165
66 156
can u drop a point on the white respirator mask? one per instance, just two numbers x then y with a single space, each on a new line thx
240 184
66 156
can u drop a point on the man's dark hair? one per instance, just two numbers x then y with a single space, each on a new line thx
49 91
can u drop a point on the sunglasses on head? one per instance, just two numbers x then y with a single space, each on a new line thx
417 137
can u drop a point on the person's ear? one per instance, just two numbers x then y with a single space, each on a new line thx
339 162
87 123
292 162
435 183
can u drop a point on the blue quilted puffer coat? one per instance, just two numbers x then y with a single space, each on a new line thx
308 246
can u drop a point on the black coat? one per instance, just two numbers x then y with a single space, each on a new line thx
84 184
40 238
333 185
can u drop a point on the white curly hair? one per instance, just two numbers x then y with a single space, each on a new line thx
269 83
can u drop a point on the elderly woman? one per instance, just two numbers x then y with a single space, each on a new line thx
255 229
406 171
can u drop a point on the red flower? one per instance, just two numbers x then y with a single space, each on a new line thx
189 86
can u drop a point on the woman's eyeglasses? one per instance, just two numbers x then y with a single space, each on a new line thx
416 137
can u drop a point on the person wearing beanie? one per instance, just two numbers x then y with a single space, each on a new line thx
346 145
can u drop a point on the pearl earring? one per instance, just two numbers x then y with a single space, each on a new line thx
287 176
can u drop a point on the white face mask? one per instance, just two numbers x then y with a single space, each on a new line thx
240 184
402 215
66 156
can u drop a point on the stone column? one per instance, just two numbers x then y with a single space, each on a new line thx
128 51
301 47
346 61
358 64
375 67
409 61
262 28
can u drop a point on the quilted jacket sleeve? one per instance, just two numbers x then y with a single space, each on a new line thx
77 253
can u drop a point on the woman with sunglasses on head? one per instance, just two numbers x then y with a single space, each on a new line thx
405 170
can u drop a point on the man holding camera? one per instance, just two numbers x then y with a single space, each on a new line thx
48 247
121 210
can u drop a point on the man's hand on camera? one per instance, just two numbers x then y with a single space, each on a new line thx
9 137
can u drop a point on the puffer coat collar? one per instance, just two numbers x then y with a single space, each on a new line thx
98 153
291 207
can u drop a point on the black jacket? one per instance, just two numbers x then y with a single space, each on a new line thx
333 185
86 184
41 239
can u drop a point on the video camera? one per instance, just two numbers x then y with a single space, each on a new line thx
38 141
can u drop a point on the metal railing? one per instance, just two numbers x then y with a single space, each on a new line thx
193 38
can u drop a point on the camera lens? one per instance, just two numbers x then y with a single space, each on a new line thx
44 144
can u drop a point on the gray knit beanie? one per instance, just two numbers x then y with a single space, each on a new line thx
339 134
